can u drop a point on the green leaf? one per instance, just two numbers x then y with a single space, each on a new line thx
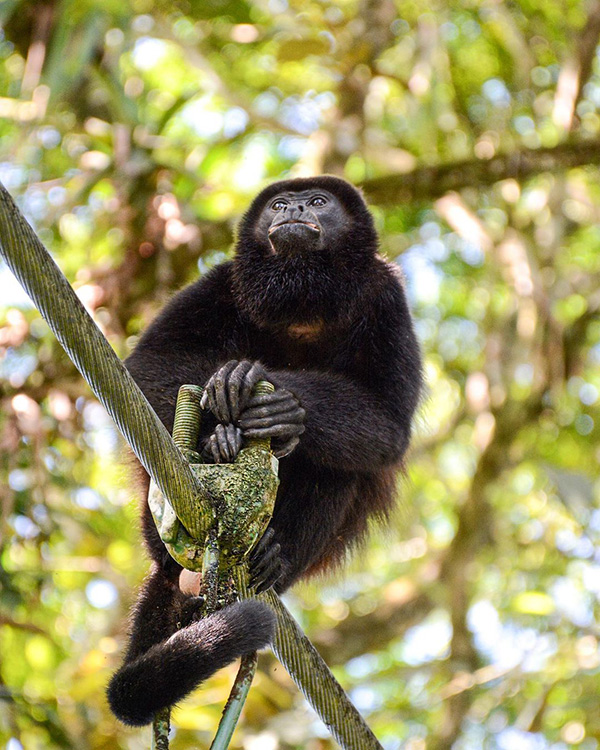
298 49
533 603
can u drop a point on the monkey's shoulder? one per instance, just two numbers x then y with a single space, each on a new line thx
201 296
386 291
204 307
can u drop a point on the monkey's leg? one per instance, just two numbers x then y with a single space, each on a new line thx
161 666
153 620
155 613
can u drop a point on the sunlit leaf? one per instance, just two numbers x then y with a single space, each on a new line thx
298 49
533 603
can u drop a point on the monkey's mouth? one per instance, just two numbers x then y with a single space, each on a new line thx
309 224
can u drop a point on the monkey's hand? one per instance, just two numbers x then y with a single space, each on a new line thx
276 415
228 390
265 563
223 445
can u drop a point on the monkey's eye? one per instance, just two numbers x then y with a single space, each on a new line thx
317 201
278 205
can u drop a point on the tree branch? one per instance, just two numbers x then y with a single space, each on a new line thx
27 626
473 532
430 182
577 70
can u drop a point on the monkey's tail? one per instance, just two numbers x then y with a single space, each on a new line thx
168 671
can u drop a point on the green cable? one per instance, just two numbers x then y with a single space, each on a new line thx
108 378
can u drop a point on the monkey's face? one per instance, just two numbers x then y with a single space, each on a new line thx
303 249
307 220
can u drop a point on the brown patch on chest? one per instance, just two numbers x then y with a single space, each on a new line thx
306 331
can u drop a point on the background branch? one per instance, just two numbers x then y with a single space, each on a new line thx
429 182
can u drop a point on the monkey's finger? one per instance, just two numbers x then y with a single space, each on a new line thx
214 449
220 391
262 544
235 384
269 420
272 572
260 588
288 406
207 449
264 399
269 580
205 401
285 449
273 401
208 397
255 373
216 400
223 443
273 565
276 430
234 440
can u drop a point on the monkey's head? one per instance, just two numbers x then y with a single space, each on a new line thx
308 214
303 246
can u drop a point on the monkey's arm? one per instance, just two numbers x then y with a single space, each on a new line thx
361 423
349 421
185 343
346 427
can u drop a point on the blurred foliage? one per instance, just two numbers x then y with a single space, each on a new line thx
134 134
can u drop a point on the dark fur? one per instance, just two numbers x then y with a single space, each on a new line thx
359 383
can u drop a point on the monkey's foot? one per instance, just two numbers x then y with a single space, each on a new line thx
192 610
265 563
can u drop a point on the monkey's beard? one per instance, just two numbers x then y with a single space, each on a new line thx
280 290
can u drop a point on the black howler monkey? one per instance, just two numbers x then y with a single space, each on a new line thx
307 304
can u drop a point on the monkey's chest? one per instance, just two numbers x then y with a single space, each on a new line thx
306 333
299 356
300 346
